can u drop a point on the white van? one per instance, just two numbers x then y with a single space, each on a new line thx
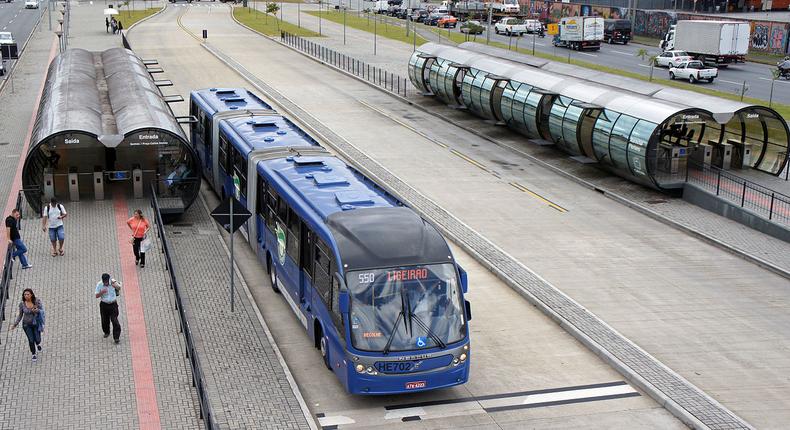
380 6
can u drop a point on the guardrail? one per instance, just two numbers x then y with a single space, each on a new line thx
375 75
198 381
8 268
746 194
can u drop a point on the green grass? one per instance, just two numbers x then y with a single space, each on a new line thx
365 23
782 109
129 17
268 24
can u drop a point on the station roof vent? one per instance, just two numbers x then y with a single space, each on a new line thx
353 198
326 179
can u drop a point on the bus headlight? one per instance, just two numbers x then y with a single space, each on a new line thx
466 347
360 368
372 371
462 357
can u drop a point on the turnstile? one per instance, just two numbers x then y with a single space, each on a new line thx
49 184
98 183
722 156
701 154
74 185
137 181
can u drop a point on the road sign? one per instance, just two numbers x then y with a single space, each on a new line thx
553 29
222 213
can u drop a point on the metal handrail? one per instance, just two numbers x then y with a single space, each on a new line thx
743 192
8 269
198 380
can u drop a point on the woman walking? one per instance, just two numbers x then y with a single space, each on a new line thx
31 313
139 226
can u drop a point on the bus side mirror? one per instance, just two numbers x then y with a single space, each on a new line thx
343 299
464 279
468 310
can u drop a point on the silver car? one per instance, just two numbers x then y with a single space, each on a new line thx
672 58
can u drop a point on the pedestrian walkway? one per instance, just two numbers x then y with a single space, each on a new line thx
81 379
247 381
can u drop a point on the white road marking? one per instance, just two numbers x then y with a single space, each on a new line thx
622 53
644 65
587 54
577 394
335 421
401 413
777 81
730 82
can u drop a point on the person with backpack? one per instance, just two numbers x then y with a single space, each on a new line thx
139 226
52 220
31 313
15 239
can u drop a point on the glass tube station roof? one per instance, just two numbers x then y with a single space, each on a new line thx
644 132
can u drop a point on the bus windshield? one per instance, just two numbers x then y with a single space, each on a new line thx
405 308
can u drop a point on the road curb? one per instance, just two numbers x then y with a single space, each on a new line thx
146 18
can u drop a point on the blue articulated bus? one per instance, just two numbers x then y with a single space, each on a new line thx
375 286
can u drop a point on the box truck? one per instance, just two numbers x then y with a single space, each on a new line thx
714 42
580 32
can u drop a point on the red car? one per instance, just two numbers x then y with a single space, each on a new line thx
447 21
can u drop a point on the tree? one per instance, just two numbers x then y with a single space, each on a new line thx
272 8
641 53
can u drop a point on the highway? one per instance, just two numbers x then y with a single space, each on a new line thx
19 21
623 57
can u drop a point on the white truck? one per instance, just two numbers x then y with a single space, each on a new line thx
714 42
580 32
510 26
505 7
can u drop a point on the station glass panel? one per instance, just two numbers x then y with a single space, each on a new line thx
477 84
637 148
519 106
466 92
569 127
485 97
618 143
416 65
601 133
776 148
508 104
556 116
434 80
531 104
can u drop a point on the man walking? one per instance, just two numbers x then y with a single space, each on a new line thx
53 216
106 25
107 290
15 239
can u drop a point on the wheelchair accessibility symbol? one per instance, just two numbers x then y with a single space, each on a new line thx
422 341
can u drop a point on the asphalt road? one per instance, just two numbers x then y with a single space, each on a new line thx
757 76
19 21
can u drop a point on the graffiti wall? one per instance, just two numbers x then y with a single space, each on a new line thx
766 36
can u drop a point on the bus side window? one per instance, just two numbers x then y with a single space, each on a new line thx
282 211
294 233
322 280
336 317
260 202
271 208
223 152
205 128
240 170
307 248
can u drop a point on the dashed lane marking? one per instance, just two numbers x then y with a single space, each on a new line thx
622 53
730 82
588 54
520 187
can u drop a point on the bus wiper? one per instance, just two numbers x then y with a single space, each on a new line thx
392 335
427 329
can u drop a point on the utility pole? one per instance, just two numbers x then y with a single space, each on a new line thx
488 29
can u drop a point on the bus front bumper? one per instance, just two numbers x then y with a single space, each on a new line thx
407 383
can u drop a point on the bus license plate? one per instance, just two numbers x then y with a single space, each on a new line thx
415 384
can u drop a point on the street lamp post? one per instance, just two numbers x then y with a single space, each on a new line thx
375 34
299 14
320 9
488 29
344 26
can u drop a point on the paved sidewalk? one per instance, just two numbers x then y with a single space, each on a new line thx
246 383
79 369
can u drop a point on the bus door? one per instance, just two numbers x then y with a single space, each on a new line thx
306 269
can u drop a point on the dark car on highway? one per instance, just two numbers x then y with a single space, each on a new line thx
418 15
433 19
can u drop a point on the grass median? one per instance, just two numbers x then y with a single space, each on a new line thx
368 23
129 17
782 109
267 24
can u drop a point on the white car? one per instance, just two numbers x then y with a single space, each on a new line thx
31 4
693 71
510 26
671 58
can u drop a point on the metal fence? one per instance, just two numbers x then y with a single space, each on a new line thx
746 194
375 75
8 269
198 381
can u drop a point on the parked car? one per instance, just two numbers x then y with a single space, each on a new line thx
2 63
510 26
447 21
31 4
693 71
433 18
472 27
533 26
672 58
402 14
418 15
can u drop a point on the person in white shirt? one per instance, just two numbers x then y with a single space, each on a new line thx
52 220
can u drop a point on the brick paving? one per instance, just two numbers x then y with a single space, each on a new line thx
83 380
580 321
246 384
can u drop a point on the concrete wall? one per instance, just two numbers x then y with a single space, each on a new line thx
706 200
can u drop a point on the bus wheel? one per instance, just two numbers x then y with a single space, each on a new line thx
273 275
325 352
